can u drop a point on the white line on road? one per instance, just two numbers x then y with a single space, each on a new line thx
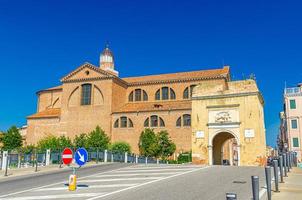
117 179
136 174
89 187
28 190
139 185
64 196
154 170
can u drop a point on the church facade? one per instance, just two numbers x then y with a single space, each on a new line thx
93 96
123 107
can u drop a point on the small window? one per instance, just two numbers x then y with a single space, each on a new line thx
86 94
138 95
145 96
157 95
131 96
154 121
295 142
191 90
187 120
172 94
123 122
292 104
130 123
186 93
294 124
116 123
165 93
146 123
178 122
161 122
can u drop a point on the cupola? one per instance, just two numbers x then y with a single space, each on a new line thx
107 61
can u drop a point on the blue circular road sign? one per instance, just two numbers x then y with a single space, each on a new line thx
81 156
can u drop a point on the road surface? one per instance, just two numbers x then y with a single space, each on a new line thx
141 182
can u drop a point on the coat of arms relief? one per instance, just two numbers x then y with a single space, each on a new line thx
223 117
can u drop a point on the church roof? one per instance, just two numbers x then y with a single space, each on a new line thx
59 87
155 106
181 76
48 113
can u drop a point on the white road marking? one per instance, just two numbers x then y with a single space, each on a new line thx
117 179
147 183
55 196
135 174
28 190
89 187
154 170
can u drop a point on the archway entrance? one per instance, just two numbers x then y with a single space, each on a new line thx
225 149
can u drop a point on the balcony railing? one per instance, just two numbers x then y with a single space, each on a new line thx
294 90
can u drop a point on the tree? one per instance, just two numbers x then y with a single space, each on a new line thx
148 145
80 140
12 139
120 147
98 139
28 149
49 142
166 145
64 142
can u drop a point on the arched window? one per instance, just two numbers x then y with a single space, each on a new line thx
188 92
130 123
154 121
123 122
131 97
184 120
86 94
116 123
165 93
178 122
145 96
138 95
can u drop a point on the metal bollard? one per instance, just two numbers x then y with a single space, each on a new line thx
255 187
97 156
288 162
268 177
231 196
284 165
275 164
281 168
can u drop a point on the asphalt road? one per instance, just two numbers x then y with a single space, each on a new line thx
142 182
26 182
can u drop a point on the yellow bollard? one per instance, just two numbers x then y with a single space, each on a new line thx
72 182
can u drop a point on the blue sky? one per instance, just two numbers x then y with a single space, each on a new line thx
40 42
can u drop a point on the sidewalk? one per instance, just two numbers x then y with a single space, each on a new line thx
291 189
18 172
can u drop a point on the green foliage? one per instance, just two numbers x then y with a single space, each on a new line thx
64 142
148 145
98 139
166 145
49 142
120 147
184 157
28 149
12 139
81 140
156 145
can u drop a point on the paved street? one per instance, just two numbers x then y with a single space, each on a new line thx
145 182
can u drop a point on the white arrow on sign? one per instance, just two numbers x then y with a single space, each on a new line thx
81 157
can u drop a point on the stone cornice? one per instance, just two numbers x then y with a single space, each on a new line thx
222 96
173 81
223 106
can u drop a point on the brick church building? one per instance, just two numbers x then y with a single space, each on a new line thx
123 107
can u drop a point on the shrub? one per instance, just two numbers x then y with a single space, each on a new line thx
98 139
49 142
120 147
80 140
148 145
184 157
166 145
